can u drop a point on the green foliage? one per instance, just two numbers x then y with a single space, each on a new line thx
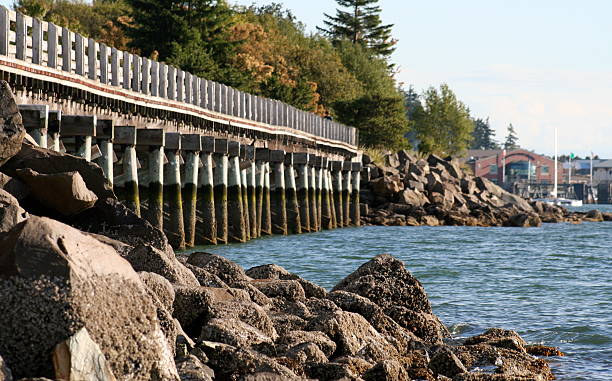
484 135
442 123
380 120
360 24
511 141
103 20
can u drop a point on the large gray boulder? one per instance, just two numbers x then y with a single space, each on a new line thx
10 212
55 280
385 281
65 192
12 131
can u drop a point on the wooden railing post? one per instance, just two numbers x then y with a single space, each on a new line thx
52 45
135 68
92 59
5 28
163 80
146 72
114 67
20 36
171 83
180 85
103 63
154 78
37 42
79 54
126 70
66 50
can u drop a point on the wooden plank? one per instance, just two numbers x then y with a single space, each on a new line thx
180 85
154 78
37 42
146 73
135 72
92 59
52 45
79 54
221 146
54 125
163 80
114 67
105 129
125 135
66 50
5 30
151 137
171 83
20 37
103 63
208 143
34 117
78 125
126 70
173 141
203 93
195 90
191 142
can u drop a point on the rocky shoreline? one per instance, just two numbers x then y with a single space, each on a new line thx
412 191
90 291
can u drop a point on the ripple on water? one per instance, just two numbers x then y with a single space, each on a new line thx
552 284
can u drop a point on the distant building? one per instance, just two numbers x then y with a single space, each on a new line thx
602 171
521 166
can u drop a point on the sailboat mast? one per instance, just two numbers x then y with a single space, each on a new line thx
555 188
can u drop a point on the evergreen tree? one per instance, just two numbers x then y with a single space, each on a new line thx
511 139
442 124
360 24
484 135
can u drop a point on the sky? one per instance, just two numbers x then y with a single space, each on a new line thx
538 64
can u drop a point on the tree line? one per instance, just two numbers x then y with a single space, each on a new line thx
343 71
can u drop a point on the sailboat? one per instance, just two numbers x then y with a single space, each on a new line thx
555 200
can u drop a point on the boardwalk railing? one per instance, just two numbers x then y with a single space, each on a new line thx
46 44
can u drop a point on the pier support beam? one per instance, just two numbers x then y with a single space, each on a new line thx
35 119
237 229
244 166
191 147
332 201
125 136
355 205
174 227
220 189
327 221
294 225
277 193
251 192
301 163
319 190
312 194
105 133
154 140
82 129
338 199
54 126
346 193
207 224
264 217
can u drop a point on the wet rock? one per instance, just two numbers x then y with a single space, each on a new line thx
46 161
230 363
10 212
594 216
272 271
387 186
228 271
80 358
444 362
245 311
12 131
205 278
5 372
285 323
161 287
148 258
289 290
498 337
55 280
319 306
353 335
233 332
64 192
13 186
543 350
296 338
190 368
113 219
190 308
387 370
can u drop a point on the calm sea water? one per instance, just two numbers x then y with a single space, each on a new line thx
552 284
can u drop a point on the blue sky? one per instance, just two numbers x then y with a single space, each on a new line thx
537 64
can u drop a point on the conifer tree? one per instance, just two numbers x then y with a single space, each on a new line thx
484 135
511 139
360 24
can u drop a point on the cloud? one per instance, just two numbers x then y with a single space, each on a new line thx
535 101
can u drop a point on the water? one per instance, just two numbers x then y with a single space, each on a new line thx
552 284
